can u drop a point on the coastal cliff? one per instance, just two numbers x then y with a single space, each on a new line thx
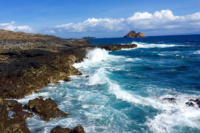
133 34
29 62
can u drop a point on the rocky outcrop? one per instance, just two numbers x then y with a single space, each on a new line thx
46 109
133 34
11 125
58 129
117 47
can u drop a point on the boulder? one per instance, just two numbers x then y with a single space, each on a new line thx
58 129
170 100
46 109
78 129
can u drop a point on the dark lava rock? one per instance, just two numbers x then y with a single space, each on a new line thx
87 76
59 129
170 100
47 109
133 34
8 125
78 129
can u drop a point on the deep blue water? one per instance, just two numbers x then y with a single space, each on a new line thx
125 89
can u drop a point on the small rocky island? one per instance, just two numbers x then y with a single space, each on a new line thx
29 62
133 34
89 37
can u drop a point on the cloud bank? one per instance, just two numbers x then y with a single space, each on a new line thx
10 26
159 20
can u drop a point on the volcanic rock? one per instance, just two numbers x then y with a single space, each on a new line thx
78 129
9 125
46 109
58 129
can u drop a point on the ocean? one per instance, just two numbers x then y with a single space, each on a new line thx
125 89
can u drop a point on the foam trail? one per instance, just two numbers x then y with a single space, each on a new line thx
146 45
175 115
197 52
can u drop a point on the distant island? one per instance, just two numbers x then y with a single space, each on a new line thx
89 37
133 34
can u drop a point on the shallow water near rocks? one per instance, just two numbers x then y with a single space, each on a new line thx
124 90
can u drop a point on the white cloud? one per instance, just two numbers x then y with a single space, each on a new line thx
159 20
10 26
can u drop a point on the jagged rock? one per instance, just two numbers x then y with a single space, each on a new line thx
46 109
8 125
193 103
170 100
59 129
133 34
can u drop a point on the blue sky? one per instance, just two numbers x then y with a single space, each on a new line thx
101 18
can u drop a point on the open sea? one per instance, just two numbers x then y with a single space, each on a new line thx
125 89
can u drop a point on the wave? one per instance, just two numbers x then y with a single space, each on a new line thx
97 78
147 45
176 115
197 52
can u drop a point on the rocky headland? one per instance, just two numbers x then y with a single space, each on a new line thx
29 62
133 34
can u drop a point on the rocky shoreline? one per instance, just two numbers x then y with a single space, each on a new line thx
29 62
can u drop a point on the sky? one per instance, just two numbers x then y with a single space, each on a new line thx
101 18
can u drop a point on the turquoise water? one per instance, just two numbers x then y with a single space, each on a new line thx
124 90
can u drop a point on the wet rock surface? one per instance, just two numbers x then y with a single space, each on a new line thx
10 125
58 129
46 109
193 103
